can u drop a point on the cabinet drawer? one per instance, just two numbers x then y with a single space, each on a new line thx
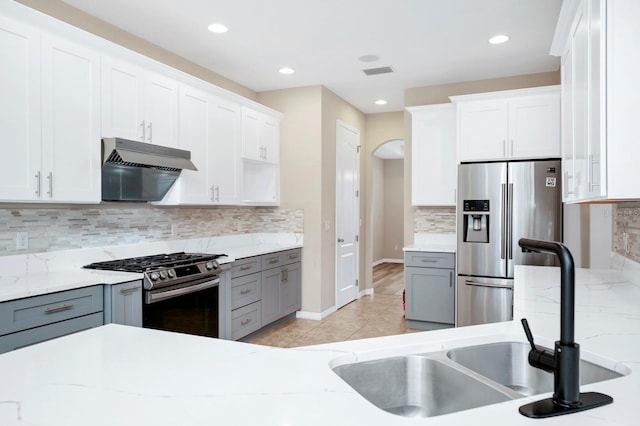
425 259
47 332
245 290
290 256
271 260
23 314
245 320
246 266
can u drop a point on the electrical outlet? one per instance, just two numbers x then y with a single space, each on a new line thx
22 240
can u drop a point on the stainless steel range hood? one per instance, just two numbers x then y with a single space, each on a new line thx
138 171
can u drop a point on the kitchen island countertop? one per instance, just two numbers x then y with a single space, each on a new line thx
124 375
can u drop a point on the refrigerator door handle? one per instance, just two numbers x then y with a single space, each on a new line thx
469 282
510 216
503 222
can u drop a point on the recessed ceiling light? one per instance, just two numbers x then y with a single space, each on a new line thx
381 102
498 39
218 28
286 70
369 58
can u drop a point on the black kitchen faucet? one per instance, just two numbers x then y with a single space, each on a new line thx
564 361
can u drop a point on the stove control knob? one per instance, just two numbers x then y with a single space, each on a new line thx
170 273
153 276
163 275
209 266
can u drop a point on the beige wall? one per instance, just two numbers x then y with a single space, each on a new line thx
77 18
381 128
301 176
377 209
393 209
308 179
429 95
335 108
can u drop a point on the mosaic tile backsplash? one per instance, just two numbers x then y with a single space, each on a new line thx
434 220
626 232
51 229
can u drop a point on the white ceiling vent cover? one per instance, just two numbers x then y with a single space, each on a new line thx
375 71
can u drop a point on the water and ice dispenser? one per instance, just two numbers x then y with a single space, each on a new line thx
476 221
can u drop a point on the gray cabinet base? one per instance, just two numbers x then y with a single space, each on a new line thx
427 325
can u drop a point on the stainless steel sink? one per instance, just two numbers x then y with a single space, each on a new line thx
506 363
437 383
416 386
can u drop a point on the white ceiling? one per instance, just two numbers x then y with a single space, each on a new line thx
426 42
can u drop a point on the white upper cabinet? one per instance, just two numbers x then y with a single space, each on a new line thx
600 103
70 122
513 124
433 155
49 113
210 130
224 159
138 104
260 135
20 111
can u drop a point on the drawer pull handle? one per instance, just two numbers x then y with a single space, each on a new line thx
245 321
245 291
245 267
272 261
58 309
293 256
129 290
429 260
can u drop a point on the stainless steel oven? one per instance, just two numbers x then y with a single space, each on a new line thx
181 291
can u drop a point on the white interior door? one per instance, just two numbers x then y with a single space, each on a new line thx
347 212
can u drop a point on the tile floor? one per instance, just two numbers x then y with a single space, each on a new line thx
370 316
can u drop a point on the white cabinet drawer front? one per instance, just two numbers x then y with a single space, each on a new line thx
245 320
245 290
246 266
41 334
430 260
35 311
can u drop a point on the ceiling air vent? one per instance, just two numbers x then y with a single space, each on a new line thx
375 71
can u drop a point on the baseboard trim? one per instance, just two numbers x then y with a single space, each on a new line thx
366 292
386 260
314 315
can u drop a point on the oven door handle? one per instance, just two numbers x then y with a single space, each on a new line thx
168 294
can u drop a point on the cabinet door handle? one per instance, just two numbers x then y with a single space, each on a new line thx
450 278
150 126
245 291
58 309
245 267
143 137
50 177
511 153
245 321
341 240
129 289
38 184
217 193
213 196
504 148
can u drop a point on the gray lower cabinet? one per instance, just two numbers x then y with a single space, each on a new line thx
430 290
123 303
263 289
31 320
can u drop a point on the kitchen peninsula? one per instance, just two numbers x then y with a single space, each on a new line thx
125 375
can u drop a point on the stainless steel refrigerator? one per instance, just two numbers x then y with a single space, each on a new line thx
499 203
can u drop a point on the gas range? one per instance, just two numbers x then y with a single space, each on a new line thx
164 270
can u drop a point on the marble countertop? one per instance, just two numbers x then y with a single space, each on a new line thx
42 273
438 243
96 377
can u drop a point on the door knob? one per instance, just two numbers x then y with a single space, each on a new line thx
340 240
